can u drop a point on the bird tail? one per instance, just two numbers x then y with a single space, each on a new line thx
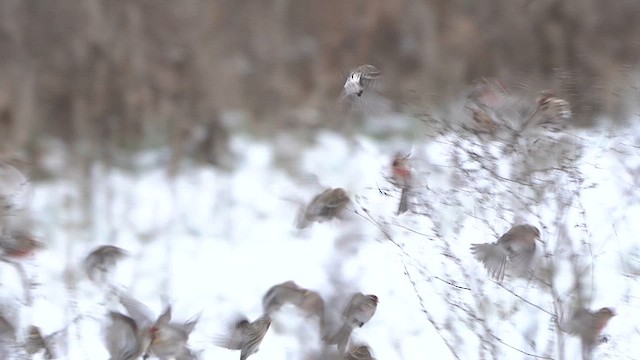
403 206
341 338
492 257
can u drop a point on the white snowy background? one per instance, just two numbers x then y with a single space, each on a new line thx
213 242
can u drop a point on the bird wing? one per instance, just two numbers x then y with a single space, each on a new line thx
235 336
356 299
165 317
119 334
139 312
370 72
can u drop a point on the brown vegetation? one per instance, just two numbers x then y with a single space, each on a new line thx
130 74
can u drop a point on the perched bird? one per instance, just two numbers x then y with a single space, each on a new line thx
551 112
588 325
101 260
124 338
18 245
245 336
359 310
360 79
310 302
517 246
170 340
324 206
401 177
360 352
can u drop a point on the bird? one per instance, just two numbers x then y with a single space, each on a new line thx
142 316
360 352
360 79
401 177
288 292
169 340
588 325
36 342
18 245
517 247
482 121
100 261
245 336
358 311
551 112
124 338
324 206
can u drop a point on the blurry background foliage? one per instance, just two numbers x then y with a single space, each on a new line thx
104 78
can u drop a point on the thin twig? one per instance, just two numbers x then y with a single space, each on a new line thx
520 350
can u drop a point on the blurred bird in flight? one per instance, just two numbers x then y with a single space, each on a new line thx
245 336
360 93
101 260
310 302
516 247
588 325
359 310
324 206
551 112
359 352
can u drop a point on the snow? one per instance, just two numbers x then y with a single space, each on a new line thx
213 242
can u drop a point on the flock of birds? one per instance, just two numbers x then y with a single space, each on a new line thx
138 333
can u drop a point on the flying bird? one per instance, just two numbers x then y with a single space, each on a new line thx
551 113
101 260
517 247
324 206
360 79
245 336
359 310
588 326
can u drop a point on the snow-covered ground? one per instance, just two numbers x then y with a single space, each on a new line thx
213 242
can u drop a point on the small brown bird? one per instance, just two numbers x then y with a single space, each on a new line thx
360 79
359 310
588 325
245 336
551 113
360 352
517 246
402 178
101 260
310 302
324 206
